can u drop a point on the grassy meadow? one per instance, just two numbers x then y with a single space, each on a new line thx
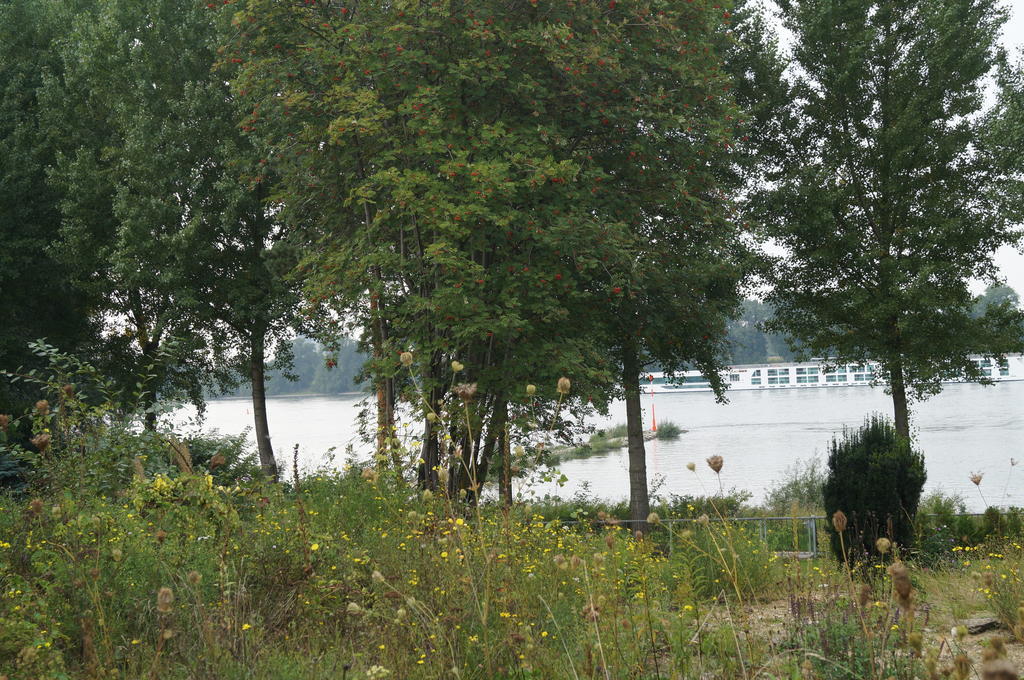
356 574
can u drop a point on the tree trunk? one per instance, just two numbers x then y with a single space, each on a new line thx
505 486
492 442
149 350
385 389
257 375
898 387
639 503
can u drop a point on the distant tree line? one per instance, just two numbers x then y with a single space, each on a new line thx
314 370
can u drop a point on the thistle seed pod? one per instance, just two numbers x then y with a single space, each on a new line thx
465 391
43 407
564 385
41 442
531 390
901 584
882 545
999 669
164 599
715 463
405 358
839 521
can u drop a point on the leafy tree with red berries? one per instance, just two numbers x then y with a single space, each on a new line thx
481 183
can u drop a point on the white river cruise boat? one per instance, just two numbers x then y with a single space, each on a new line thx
809 375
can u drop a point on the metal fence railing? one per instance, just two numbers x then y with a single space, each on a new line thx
790 535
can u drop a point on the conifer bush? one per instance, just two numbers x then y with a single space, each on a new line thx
875 478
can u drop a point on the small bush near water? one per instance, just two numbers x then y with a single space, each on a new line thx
875 480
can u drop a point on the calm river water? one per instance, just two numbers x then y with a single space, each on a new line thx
967 428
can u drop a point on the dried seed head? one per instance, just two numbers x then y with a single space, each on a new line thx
901 584
5 420
531 390
194 577
43 407
432 417
653 518
41 441
354 609
457 366
591 612
883 544
865 595
715 463
117 554
160 535
916 642
443 476
996 650
976 478
377 576
405 358
564 385
839 521
465 391
164 599
575 562
961 667
559 561
427 494
370 475
692 467
68 390
35 507
999 669
704 520
599 559
218 460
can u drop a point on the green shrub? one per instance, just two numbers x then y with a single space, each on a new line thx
669 430
875 478
801 486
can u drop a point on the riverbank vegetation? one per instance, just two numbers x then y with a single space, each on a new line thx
137 553
177 568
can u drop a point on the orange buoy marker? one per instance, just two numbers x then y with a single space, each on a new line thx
654 421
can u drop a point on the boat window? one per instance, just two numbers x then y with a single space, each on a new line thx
755 381
734 377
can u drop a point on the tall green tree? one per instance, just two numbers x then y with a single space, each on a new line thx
37 297
481 183
886 200
164 206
